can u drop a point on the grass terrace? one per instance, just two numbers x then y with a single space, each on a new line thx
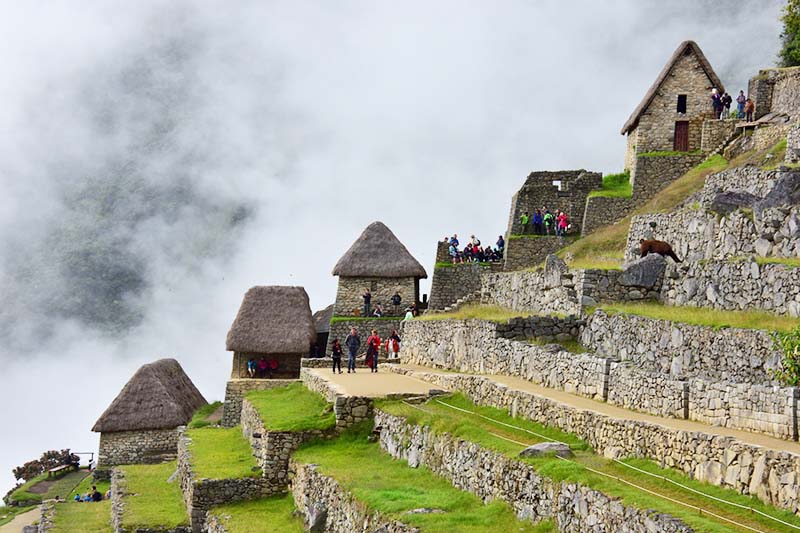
221 453
293 408
393 488
43 488
88 517
615 186
86 485
495 434
791 262
205 416
152 502
252 516
493 313
701 316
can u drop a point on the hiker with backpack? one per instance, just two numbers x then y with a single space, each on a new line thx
549 221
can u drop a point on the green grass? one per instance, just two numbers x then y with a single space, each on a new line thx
615 186
199 419
775 156
391 487
494 435
60 486
701 316
87 484
221 453
793 262
293 408
337 319
255 516
493 313
666 153
7 513
87 517
152 501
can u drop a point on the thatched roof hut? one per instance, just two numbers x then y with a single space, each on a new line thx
273 320
159 396
322 319
378 253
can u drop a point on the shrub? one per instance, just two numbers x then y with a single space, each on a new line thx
789 343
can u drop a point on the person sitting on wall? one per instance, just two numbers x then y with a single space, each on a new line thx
251 368
378 311
454 240
262 367
409 315
454 255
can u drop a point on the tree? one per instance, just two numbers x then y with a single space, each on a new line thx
49 459
790 36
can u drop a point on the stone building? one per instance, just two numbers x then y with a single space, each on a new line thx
671 114
378 261
322 323
273 323
140 425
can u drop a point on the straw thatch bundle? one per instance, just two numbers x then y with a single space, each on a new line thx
378 253
322 319
273 320
159 396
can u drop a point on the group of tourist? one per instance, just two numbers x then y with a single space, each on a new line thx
473 252
543 222
391 346
93 495
378 312
263 368
721 104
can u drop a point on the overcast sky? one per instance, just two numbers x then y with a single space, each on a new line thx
159 158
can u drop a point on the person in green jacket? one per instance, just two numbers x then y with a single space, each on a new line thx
549 219
523 220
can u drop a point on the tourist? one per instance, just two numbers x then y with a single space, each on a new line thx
378 311
373 346
251 368
726 104
77 497
353 343
468 251
537 222
561 223
96 495
336 355
396 299
409 315
454 255
367 296
749 109
262 367
501 244
716 103
740 100
454 240
87 497
476 242
523 222
108 494
393 345
549 221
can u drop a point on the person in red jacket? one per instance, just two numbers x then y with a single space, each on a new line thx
373 346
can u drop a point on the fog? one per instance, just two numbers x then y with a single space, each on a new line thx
159 158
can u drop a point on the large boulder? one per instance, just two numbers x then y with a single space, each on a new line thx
547 448
645 272
785 193
554 268
725 203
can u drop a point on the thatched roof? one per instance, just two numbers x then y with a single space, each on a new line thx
159 396
322 319
273 320
378 253
633 120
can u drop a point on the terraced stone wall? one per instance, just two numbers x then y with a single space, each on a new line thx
603 211
454 282
236 389
119 490
136 447
349 410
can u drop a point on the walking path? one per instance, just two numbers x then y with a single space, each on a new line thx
374 385
21 520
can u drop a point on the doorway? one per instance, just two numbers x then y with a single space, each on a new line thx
681 143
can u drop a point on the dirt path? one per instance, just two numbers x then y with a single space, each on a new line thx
373 385
613 411
21 520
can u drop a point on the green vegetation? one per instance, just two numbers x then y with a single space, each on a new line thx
152 501
789 56
774 156
200 417
337 319
701 316
793 262
43 488
495 434
88 517
252 516
666 153
493 313
789 343
293 408
221 453
571 345
391 487
7 514
86 486
615 186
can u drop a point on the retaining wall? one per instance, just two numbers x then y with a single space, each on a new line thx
236 389
349 410
602 211
119 490
651 174
449 284
527 252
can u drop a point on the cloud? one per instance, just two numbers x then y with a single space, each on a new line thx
162 157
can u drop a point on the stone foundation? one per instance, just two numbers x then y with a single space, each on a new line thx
651 174
527 252
136 447
604 211
449 284
236 389
349 410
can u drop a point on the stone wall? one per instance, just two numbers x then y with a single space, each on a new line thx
683 351
651 174
341 329
350 289
324 503
749 179
543 328
777 91
119 491
716 132
793 145
491 475
236 389
137 447
655 393
527 252
348 410
768 135
734 285
772 476
201 494
602 211
454 282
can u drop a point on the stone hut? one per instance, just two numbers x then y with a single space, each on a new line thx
377 261
274 323
322 323
671 114
140 425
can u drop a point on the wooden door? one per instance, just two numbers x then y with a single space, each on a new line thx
681 143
